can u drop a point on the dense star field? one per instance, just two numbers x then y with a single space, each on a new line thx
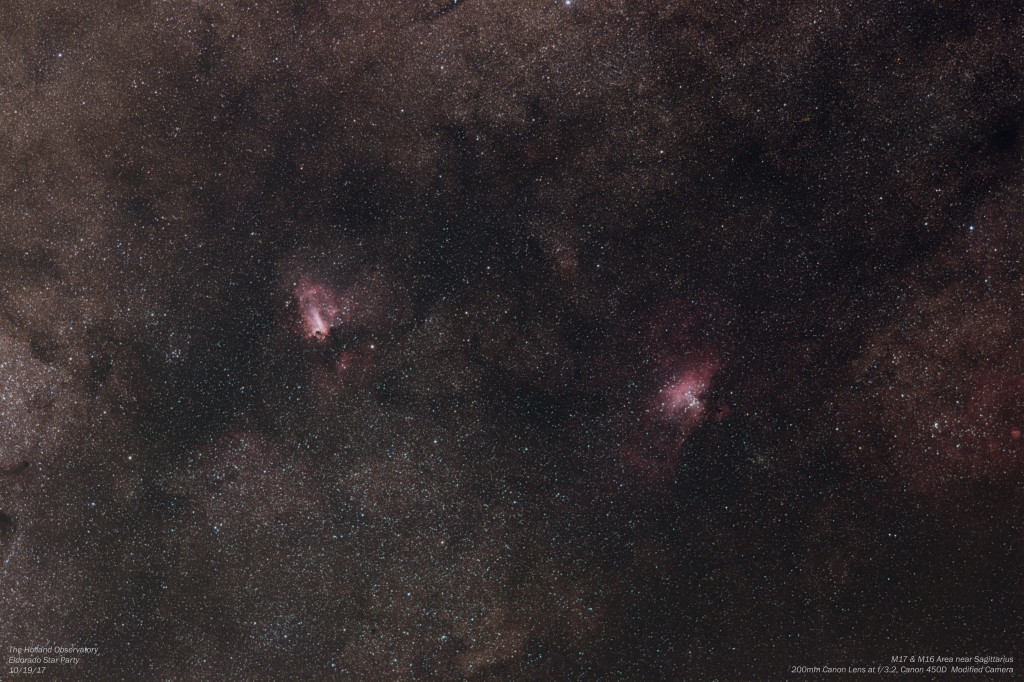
533 340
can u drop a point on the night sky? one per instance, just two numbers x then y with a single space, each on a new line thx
532 340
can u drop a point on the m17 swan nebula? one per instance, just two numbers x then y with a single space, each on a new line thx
321 308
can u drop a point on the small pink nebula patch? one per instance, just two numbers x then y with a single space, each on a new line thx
680 359
672 415
348 369
321 308
681 400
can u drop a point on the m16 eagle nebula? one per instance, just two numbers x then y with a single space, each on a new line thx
536 340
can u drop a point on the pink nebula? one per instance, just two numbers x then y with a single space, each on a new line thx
321 308
675 412
681 400
349 369
680 358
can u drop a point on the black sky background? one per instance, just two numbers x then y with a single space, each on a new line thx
527 225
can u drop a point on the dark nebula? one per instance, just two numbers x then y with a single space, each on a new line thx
535 340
